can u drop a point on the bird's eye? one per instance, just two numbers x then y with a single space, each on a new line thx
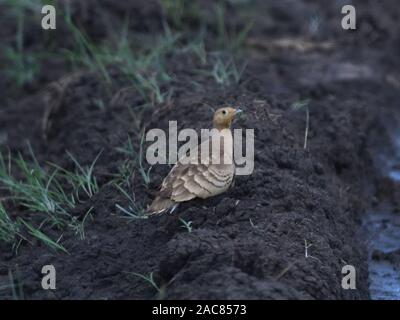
224 112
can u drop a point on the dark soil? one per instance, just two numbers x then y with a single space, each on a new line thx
248 243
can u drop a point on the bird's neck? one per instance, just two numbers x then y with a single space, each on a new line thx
225 146
221 127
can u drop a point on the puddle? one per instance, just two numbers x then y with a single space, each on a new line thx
383 233
385 281
384 237
395 175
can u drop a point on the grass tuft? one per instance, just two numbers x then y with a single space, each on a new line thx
137 158
144 68
225 72
42 191
21 67
9 230
133 211
186 224
82 179
230 40
149 279
36 190
42 237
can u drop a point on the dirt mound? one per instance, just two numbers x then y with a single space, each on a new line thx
284 232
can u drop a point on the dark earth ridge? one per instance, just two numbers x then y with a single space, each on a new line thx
250 242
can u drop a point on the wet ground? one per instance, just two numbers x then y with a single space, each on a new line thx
382 225
384 232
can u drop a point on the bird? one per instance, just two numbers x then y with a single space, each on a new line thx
205 174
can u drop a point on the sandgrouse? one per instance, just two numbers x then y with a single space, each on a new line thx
205 174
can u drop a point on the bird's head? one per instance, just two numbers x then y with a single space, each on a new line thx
223 117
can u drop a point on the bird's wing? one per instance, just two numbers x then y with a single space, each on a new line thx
188 181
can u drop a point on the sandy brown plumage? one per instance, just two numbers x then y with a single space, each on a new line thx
204 175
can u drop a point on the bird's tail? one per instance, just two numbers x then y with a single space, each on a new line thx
160 205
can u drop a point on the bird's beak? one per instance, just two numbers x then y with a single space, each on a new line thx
237 111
